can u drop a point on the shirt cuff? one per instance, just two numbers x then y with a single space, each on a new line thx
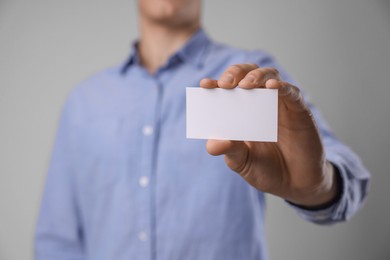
327 213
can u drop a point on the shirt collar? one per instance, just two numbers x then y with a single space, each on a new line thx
193 52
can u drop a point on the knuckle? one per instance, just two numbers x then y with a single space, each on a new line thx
296 94
235 68
275 71
296 90
253 65
258 73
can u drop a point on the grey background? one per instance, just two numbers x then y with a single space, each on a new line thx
339 51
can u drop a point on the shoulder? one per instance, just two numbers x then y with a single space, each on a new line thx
97 82
229 54
224 55
94 91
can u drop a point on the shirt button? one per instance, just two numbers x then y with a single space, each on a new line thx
142 236
147 130
143 181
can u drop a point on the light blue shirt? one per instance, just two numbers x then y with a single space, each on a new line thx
125 183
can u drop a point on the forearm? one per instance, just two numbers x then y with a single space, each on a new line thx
352 180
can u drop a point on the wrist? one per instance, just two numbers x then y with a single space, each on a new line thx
326 194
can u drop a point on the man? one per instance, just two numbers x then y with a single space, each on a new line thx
125 183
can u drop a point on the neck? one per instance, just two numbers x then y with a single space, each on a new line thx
158 42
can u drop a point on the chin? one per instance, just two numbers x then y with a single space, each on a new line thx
173 12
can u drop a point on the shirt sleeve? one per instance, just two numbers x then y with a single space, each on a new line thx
58 233
354 177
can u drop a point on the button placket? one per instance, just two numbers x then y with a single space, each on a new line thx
148 134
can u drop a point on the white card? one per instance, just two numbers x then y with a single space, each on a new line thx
232 114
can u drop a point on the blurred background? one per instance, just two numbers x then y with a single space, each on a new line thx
338 51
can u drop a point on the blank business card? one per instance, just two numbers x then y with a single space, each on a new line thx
232 114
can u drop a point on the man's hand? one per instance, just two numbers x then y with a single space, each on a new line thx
295 167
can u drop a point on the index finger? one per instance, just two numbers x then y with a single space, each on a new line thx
234 74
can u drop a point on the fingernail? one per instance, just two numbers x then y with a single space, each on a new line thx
249 79
228 78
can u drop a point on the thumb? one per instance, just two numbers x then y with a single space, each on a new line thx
236 152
